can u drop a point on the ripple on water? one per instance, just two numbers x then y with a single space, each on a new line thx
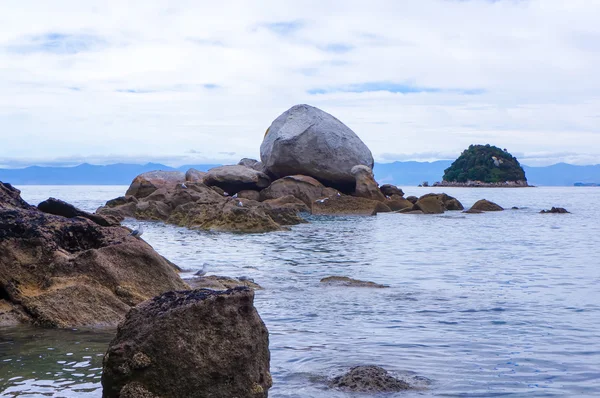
496 304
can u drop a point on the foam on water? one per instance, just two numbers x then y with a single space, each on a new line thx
488 304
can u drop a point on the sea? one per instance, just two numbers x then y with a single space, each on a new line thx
503 304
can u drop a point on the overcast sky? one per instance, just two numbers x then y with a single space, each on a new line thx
200 81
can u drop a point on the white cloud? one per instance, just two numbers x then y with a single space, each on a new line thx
134 80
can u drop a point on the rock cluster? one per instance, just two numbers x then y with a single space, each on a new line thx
69 270
311 163
555 210
197 343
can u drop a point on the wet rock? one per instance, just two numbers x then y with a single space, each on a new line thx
435 203
120 201
474 211
233 179
248 194
371 379
396 202
555 210
305 188
216 282
288 201
349 282
64 209
408 210
198 343
146 183
193 175
305 140
412 199
10 197
68 272
230 216
366 186
389 190
348 205
485 205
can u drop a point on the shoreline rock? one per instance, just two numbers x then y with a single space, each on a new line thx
72 272
195 343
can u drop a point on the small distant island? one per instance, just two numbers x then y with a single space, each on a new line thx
484 166
586 184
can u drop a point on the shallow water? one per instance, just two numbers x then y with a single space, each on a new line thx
495 304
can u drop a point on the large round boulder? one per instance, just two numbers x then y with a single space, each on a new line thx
233 179
146 183
197 343
389 190
305 140
193 175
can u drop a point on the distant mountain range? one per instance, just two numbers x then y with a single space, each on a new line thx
399 173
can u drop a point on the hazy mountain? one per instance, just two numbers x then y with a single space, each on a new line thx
400 173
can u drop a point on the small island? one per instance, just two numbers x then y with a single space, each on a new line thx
484 166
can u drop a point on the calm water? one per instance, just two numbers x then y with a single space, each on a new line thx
496 304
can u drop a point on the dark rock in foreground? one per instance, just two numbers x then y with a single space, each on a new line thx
64 209
555 210
67 272
305 140
349 282
485 205
198 343
371 379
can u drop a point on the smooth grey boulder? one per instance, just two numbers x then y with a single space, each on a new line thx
146 183
233 179
305 140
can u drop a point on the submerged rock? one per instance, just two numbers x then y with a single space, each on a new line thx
485 205
371 379
339 205
366 186
555 210
68 272
349 282
305 140
198 343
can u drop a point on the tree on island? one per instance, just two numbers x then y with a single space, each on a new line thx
485 163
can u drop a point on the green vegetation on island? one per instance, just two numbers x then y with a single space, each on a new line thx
485 163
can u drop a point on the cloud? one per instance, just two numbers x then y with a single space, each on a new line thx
56 43
83 80
403 88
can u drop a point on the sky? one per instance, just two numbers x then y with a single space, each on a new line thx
191 82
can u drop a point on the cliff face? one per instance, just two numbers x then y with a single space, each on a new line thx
485 163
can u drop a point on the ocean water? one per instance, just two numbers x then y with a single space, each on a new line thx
478 305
